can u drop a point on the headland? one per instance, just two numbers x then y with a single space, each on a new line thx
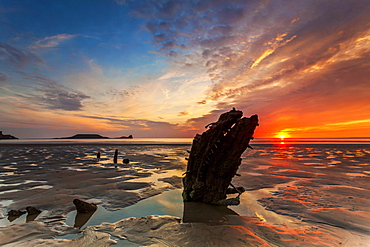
2 136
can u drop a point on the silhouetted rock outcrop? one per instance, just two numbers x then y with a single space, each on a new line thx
6 136
215 157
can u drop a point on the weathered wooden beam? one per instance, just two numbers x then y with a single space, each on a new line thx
215 157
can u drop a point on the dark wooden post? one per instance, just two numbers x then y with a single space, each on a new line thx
115 156
215 157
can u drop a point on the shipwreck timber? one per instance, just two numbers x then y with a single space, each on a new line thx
215 157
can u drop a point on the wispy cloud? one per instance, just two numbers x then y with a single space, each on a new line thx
18 57
51 41
349 129
52 95
272 46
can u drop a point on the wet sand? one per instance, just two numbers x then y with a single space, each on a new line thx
298 195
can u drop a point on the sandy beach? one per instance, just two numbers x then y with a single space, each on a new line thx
296 195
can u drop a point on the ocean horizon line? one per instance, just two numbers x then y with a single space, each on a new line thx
256 138
182 141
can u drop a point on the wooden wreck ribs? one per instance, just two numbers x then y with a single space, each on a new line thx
215 157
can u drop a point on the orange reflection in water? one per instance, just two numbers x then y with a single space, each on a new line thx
250 237
282 145
260 233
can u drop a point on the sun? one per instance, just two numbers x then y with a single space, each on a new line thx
282 135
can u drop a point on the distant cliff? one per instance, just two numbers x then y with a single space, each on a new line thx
6 136
85 136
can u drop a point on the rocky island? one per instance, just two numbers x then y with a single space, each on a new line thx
2 136
85 136
93 136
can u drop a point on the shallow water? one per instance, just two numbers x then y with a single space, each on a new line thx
166 203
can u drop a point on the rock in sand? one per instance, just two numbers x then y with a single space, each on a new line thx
84 207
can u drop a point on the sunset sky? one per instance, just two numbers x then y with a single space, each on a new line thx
167 68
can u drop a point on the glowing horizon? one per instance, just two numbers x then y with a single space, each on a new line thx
168 69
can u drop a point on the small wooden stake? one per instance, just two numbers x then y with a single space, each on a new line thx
115 156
